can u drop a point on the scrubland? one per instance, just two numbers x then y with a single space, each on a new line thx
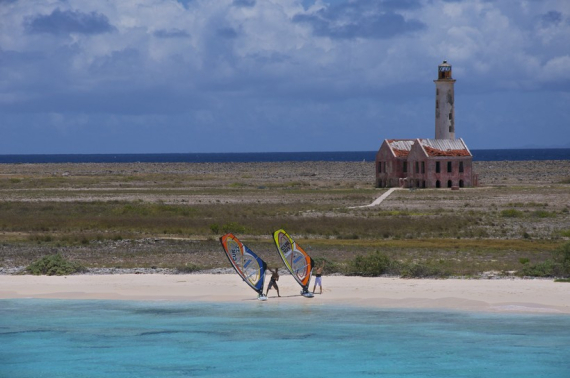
171 216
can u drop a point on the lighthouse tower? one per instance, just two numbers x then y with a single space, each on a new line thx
444 99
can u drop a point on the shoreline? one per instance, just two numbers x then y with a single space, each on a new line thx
493 296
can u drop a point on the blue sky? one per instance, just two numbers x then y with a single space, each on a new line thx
158 76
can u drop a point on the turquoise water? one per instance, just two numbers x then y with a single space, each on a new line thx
55 338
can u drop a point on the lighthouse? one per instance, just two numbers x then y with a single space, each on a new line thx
443 162
444 103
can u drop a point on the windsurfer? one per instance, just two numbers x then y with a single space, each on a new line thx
273 281
318 280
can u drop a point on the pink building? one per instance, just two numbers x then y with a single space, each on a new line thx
444 162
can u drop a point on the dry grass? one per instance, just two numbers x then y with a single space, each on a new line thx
169 215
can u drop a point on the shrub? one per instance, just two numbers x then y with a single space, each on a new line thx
421 271
375 264
562 256
543 214
511 213
546 268
330 266
214 228
233 227
188 268
54 265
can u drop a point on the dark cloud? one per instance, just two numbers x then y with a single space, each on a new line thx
65 22
244 3
185 3
551 18
362 20
172 33
228 33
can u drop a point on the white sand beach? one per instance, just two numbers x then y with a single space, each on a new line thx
496 295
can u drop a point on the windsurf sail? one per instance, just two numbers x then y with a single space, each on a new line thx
247 264
298 262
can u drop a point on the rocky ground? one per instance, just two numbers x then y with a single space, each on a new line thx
529 186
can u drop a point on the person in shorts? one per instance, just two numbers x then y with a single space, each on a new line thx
273 281
318 280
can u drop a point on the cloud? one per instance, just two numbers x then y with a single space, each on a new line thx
227 32
66 22
171 33
551 18
362 20
245 68
244 3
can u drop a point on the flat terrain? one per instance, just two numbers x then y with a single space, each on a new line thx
169 216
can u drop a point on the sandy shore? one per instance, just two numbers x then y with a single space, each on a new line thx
517 295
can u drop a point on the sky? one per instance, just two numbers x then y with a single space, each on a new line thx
195 76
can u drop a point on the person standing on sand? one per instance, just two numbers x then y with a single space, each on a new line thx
318 280
273 281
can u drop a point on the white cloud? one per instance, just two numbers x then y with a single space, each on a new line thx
229 57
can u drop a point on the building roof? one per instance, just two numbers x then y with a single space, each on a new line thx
445 147
400 147
432 147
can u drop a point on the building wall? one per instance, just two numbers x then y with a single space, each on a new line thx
455 177
389 168
421 171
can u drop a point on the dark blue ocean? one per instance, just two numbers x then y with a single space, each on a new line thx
248 157
120 339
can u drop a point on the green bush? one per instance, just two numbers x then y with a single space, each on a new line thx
562 256
214 228
375 264
188 268
422 271
54 265
543 214
548 268
512 213
233 227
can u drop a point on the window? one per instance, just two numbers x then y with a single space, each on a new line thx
461 166
379 167
449 184
448 167
423 167
461 184
449 115
405 167
437 168
438 184
417 167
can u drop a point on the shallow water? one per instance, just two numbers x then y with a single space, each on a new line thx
57 338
